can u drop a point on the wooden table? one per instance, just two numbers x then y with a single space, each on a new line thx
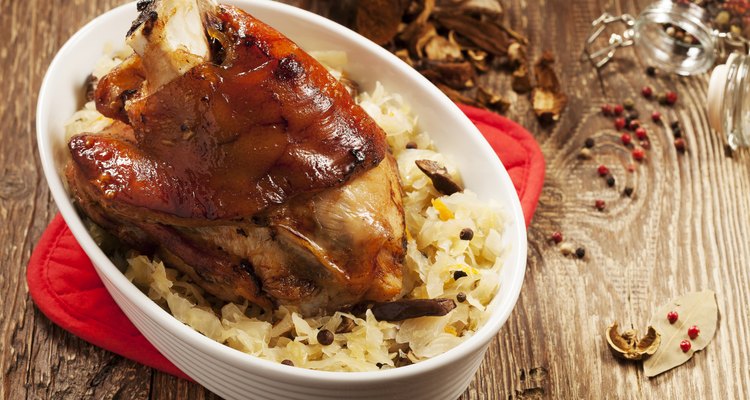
685 228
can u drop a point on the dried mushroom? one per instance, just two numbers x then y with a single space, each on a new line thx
487 37
626 345
400 310
484 7
547 98
451 42
455 75
492 100
439 48
379 20
438 174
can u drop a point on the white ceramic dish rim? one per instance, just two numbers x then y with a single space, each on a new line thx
226 353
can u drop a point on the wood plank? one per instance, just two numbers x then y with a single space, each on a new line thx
684 229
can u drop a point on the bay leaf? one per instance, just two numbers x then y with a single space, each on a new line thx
696 308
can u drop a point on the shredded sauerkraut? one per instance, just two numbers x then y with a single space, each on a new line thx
435 253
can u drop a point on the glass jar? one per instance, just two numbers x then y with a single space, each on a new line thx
728 100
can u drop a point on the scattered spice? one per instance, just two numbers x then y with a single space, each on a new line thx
438 174
600 205
638 154
325 337
557 237
580 252
693 332
685 346
672 317
287 362
628 104
662 98
671 98
619 123
618 109
602 170
628 191
628 346
567 249
461 297
630 168
646 144
677 132
696 308
610 181
411 145
458 274
584 153
607 110
641 133
647 92
634 124
651 71
656 116
626 139
466 234
589 143
680 145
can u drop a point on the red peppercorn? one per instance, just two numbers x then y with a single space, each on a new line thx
607 110
619 123
618 109
634 125
600 204
672 317
645 144
647 92
656 116
557 237
638 154
641 133
680 145
626 139
602 170
685 346
693 332
671 98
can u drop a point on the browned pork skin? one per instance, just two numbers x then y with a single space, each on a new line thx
253 171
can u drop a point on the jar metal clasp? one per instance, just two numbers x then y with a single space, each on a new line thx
600 57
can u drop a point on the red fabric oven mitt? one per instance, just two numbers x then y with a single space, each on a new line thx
64 285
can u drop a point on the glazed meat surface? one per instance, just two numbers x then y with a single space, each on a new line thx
249 167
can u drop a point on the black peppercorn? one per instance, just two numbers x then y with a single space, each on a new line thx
325 337
677 132
580 252
461 297
674 124
610 181
466 234
650 71
628 191
288 362
589 143
411 145
379 365
458 275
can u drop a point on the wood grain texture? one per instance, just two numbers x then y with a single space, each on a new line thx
684 229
